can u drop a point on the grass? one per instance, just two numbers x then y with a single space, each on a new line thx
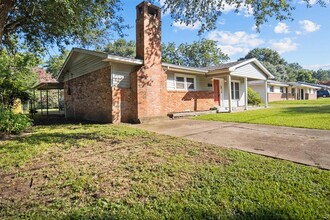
302 114
119 172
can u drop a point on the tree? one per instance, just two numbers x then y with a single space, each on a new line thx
121 47
305 76
55 63
266 55
208 11
322 75
40 23
198 54
16 76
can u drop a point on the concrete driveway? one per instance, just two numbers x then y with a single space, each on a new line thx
306 146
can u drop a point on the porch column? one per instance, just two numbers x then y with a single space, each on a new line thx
246 94
47 103
266 97
229 93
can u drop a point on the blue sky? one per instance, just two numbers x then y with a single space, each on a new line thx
305 40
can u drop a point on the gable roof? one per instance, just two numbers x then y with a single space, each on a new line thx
102 55
232 66
223 66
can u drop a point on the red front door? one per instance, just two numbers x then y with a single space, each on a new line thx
216 91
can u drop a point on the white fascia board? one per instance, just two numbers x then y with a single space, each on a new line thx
183 69
125 60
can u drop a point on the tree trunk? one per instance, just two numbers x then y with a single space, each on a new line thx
5 7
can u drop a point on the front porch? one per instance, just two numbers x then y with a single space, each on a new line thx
231 92
230 83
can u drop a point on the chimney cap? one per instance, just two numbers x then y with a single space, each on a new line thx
148 4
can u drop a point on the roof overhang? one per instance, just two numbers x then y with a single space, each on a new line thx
183 69
48 86
125 60
304 85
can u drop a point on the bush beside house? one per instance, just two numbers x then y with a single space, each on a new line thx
13 123
253 97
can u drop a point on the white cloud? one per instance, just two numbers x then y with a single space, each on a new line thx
222 22
238 42
298 32
231 50
311 2
283 45
247 11
236 38
309 26
318 66
254 27
281 28
183 26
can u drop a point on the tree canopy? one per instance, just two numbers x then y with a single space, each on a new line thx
121 47
208 11
41 23
198 54
16 76
55 63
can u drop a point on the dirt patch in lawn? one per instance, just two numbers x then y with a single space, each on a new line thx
127 167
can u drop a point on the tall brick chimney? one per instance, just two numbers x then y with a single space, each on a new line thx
150 79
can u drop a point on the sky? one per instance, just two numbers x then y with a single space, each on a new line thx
305 40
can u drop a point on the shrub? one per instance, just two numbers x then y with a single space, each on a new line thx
253 97
12 123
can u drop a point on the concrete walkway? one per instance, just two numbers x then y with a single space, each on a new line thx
306 146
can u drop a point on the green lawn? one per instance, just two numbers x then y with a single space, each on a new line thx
119 172
302 114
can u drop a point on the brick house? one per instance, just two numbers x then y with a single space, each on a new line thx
108 88
280 91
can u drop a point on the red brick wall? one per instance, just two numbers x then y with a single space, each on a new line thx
311 96
179 101
276 97
90 97
123 106
291 96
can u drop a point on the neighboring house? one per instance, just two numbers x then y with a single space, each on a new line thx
278 91
108 88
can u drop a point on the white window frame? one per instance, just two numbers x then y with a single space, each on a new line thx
184 82
270 90
233 88
281 89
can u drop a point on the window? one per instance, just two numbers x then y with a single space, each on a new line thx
179 82
235 90
184 82
190 83
281 89
293 91
271 88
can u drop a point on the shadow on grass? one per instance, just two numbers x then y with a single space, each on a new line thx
58 120
187 213
324 109
49 139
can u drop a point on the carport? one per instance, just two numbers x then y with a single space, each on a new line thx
44 88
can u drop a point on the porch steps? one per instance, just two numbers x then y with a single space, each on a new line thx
174 115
